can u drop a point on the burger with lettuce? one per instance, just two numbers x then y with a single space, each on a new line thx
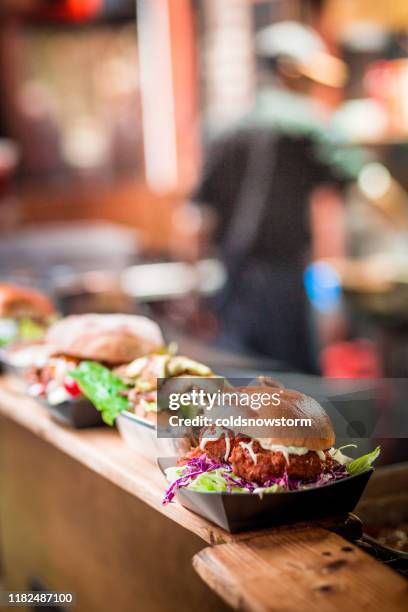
24 314
133 387
106 341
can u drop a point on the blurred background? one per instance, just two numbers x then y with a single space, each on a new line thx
235 169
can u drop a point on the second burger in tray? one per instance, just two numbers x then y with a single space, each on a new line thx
111 340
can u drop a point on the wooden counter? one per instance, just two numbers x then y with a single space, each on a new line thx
80 511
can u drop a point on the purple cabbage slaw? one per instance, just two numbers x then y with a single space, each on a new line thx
202 464
195 467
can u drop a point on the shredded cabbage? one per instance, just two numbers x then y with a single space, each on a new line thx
202 474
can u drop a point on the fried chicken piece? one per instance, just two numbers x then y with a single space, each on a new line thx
272 464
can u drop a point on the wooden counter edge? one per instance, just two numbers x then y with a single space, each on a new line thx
292 570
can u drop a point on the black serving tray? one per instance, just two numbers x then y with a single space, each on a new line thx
237 512
5 365
78 413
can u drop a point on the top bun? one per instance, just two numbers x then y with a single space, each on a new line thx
23 303
292 405
111 338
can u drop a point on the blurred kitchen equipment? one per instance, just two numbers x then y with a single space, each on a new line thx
378 285
50 250
79 263
170 280
95 291
387 82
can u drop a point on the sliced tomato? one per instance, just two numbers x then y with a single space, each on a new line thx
71 386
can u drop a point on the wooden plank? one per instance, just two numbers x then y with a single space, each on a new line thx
300 569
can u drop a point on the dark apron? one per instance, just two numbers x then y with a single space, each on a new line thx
263 306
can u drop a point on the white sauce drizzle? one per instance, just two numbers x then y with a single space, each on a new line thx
248 447
288 450
227 447
204 441
292 450
285 450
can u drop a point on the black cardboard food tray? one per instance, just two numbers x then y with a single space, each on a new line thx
237 512
6 367
78 413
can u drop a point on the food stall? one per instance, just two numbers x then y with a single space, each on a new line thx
119 489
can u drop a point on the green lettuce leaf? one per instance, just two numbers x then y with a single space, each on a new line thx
102 388
209 481
213 481
362 464
29 330
26 330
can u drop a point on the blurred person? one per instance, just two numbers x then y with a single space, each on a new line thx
255 188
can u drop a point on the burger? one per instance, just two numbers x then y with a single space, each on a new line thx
267 458
143 374
110 340
24 314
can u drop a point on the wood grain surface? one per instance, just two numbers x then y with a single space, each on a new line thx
300 569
